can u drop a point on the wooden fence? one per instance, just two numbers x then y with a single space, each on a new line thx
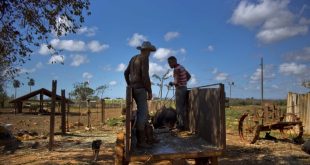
300 105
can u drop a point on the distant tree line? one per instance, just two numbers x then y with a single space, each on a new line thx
253 101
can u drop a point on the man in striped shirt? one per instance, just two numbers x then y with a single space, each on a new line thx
181 76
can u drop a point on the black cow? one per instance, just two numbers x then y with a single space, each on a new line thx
164 117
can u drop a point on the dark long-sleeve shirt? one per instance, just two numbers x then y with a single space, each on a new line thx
137 73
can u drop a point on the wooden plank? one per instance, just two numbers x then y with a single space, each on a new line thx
128 121
52 116
222 142
193 110
207 114
186 155
63 112
68 112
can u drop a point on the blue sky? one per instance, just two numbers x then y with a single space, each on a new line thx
216 41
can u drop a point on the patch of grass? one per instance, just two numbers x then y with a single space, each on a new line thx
116 121
233 115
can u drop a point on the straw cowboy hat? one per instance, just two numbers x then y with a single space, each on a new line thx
147 45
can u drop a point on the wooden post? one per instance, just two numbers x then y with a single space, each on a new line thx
128 121
41 102
97 113
63 112
102 111
88 114
68 111
20 107
79 121
52 115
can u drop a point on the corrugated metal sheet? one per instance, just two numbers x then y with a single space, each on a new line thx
300 105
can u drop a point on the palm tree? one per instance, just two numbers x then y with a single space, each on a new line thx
31 83
161 80
16 84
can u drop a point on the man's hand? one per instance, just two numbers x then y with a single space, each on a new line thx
149 96
171 83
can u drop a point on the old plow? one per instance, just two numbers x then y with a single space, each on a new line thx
269 118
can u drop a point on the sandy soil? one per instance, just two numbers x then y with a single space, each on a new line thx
75 148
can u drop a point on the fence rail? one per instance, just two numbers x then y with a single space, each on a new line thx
299 104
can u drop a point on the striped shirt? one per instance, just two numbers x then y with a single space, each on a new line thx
180 76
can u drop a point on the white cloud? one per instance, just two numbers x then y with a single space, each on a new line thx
39 65
268 73
304 21
278 34
75 46
60 23
136 40
87 75
214 71
273 18
25 70
193 80
88 31
57 59
171 35
155 68
77 60
69 45
44 50
275 86
301 55
249 14
162 54
121 67
210 48
95 46
182 50
292 68
256 75
107 68
221 76
112 83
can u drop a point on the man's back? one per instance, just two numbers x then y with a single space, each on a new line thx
137 73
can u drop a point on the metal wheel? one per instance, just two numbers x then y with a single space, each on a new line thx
294 129
249 128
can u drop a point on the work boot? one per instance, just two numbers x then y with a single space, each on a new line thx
141 140
150 139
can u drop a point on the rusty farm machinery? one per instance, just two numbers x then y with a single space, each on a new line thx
266 119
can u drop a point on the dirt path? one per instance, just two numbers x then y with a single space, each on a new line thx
75 148
264 152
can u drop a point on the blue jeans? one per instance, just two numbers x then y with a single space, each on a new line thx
140 97
180 98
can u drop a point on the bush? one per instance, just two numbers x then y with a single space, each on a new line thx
116 122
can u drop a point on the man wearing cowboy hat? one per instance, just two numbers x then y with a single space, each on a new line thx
137 77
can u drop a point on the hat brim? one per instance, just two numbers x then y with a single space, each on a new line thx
152 49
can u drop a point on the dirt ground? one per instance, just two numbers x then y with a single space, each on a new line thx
75 147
